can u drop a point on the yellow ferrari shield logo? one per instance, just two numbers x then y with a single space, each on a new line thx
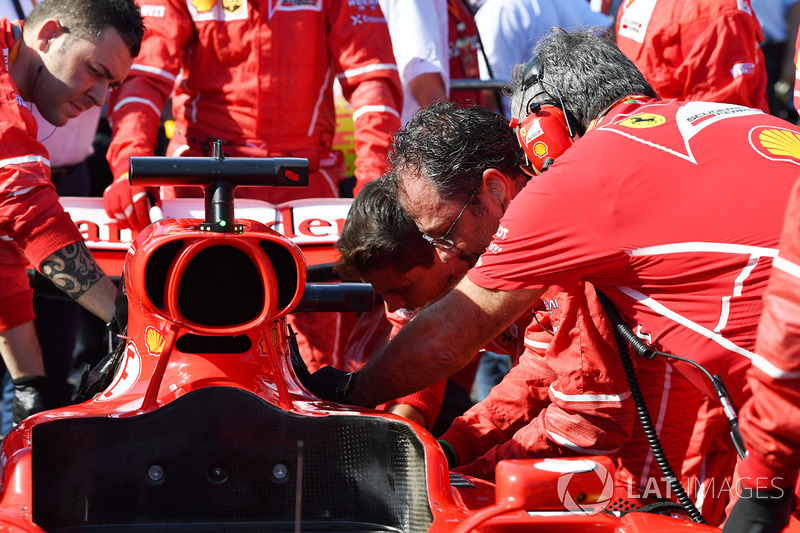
232 6
643 120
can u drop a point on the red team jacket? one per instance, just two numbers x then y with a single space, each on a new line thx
258 74
696 50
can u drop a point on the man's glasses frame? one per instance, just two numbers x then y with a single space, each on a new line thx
443 243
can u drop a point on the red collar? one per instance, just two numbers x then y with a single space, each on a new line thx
624 100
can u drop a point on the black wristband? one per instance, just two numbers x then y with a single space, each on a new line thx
32 381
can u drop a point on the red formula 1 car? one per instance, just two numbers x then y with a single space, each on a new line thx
202 424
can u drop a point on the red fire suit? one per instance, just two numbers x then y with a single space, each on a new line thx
33 224
258 74
770 420
568 396
696 50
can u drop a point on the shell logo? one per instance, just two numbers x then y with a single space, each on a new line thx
273 336
203 6
262 342
154 340
540 149
781 143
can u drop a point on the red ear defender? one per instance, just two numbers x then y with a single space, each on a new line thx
543 135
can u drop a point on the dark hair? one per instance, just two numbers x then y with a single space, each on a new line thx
451 146
587 69
378 233
88 19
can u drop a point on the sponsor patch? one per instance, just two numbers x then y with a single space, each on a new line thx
363 4
213 10
295 5
540 149
232 6
153 11
635 18
776 144
742 69
363 18
744 5
643 120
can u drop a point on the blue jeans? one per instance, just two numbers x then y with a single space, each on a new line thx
491 369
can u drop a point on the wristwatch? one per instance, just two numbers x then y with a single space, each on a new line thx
344 386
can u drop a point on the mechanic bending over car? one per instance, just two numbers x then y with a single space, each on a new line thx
63 59
655 205
543 407
381 245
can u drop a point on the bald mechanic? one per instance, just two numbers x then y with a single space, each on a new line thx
654 204
64 58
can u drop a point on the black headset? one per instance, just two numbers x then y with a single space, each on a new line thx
547 130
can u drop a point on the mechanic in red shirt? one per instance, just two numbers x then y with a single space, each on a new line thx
568 395
63 59
770 420
655 205
706 50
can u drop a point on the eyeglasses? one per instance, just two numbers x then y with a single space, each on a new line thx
443 243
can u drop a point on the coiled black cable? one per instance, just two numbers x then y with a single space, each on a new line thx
642 411
651 434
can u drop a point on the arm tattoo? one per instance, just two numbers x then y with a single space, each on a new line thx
72 269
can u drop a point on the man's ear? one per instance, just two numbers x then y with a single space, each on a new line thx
498 185
49 30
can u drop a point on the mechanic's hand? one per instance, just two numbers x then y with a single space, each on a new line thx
127 204
760 512
330 384
29 392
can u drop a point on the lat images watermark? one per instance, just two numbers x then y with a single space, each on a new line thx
659 488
